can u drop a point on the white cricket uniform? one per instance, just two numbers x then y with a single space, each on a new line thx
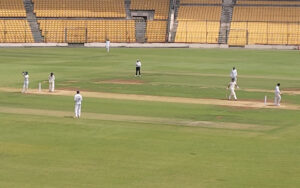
107 45
78 100
138 64
51 83
234 74
277 96
232 86
26 83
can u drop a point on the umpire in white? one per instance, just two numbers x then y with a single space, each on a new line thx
138 66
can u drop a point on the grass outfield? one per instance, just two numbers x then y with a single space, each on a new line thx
128 143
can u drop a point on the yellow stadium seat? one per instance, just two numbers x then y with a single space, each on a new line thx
198 24
81 31
265 24
12 8
156 31
161 7
15 31
80 8
201 2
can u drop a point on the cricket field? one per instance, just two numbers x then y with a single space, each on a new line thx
170 128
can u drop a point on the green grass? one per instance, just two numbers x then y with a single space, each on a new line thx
44 151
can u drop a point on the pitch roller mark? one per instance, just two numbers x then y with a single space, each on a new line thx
137 119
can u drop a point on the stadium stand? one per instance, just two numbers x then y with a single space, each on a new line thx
243 33
80 8
257 2
15 31
198 32
12 8
81 31
210 2
77 21
264 23
156 31
161 7
198 24
211 13
266 13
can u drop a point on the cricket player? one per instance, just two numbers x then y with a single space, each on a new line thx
277 95
26 82
232 85
234 74
51 79
78 100
107 45
138 66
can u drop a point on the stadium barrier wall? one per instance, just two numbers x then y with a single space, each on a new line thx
186 45
155 45
276 47
148 45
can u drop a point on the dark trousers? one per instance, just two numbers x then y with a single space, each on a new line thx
138 71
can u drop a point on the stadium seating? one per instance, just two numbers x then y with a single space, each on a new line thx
198 24
266 13
80 31
243 33
161 7
12 8
253 21
218 2
80 8
156 31
15 31
198 32
265 24
210 13
257 2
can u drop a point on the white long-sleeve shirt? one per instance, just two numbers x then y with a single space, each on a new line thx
107 44
277 90
233 73
232 85
51 79
78 99
26 78
138 64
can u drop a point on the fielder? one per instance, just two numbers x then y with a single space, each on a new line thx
277 95
232 85
234 74
26 82
138 66
78 100
51 79
107 45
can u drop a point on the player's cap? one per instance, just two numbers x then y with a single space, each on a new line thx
78 92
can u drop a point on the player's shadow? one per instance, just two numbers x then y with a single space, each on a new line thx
273 105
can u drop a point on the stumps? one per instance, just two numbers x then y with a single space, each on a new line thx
40 87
